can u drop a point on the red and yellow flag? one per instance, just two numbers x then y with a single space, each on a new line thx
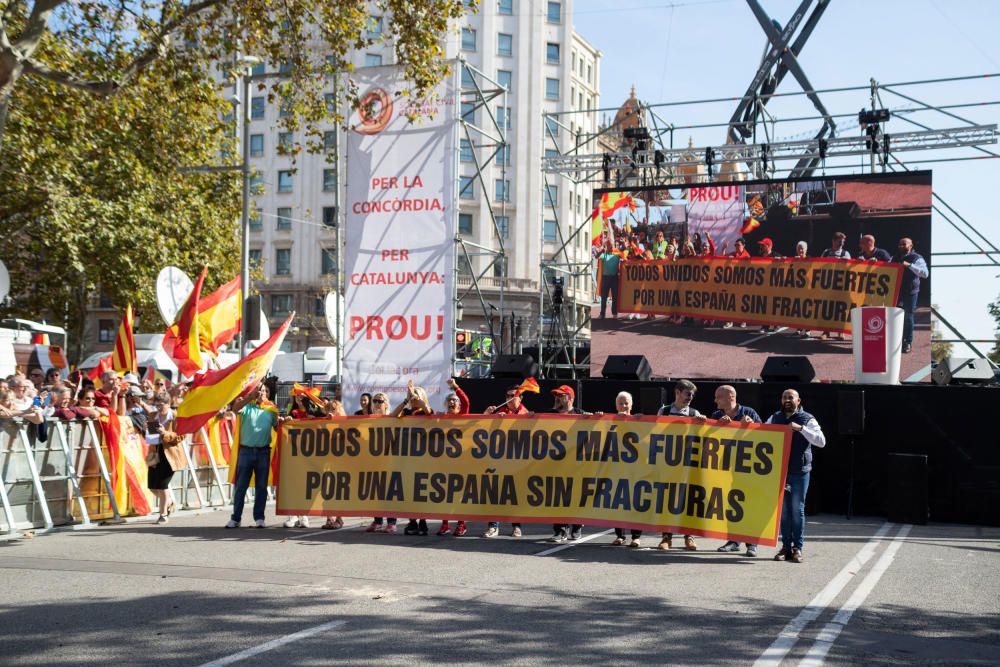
213 390
220 316
749 225
312 393
234 451
181 340
605 208
123 357
126 481
97 371
530 385
153 374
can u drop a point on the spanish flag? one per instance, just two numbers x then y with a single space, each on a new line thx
312 393
605 208
220 316
126 467
530 385
215 389
153 374
181 340
123 357
234 451
97 371
750 224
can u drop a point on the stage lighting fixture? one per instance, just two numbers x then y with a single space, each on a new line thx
868 117
606 167
636 133
709 159
658 158
823 146
557 290
764 150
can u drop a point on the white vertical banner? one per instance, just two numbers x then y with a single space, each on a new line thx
717 210
399 237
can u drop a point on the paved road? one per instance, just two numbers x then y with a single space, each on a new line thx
190 593
711 351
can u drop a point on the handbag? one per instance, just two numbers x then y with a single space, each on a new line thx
152 456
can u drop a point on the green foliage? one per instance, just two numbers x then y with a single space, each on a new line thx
994 309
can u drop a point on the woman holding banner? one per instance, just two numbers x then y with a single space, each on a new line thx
455 403
415 403
380 406
623 404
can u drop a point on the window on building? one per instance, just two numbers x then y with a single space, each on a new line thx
579 102
260 69
255 257
550 195
375 26
464 265
465 153
257 183
504 78
319 306
503 117
589 74
501 190
256 220
106 331
373 60
552 89
552 53
329 180
328 261
330 216
284 181
285 108
284 218
503 225
505 7
466 188
285 68
281 305
331 102
551 127
468 81
468 39
551 152
503 156
329 140
549 230
256 145
257 106
553 12
465 223
286 140
501 268
505 44
469 112
283 261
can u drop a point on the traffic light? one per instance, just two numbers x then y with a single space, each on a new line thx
461 341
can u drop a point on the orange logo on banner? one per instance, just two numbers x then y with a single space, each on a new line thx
375 111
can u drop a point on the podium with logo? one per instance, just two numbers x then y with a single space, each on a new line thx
878 344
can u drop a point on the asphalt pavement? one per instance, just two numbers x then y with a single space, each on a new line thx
190 593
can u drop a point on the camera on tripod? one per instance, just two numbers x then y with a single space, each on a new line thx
557 290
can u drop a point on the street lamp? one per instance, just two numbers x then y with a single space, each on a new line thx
245 64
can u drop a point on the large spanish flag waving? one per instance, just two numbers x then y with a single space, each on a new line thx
181 340
214 390
605 208
123 358
220 315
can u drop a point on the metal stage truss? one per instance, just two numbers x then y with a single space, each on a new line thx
607 158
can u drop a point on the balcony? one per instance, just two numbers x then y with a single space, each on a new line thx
494 283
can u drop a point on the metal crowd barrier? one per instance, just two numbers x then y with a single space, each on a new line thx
65 479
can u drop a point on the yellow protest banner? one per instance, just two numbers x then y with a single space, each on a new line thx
813 294
652 473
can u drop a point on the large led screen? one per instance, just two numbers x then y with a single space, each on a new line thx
713 278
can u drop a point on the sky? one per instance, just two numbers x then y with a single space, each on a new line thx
703 49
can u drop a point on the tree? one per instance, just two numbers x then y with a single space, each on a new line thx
94 202
994 309
124 38
939 350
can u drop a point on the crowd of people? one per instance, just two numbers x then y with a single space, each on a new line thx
653 244
40 397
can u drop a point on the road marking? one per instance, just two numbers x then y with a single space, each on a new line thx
762 336
789 635
570 545
274 643
828 635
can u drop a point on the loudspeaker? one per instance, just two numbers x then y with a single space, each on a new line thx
251 317
651 399
627 367
851 412
956 370
907 500
787 369
517 366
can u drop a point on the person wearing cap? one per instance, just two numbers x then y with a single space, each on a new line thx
564 397
838 247
512 406
684 392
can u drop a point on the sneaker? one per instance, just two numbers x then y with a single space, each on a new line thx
290 522
796 556
689 543
634 544
374 527
444 529
390 529
729 546
516 531
781 555
907 348
259 523
461 530
618 542
743 325
727 325
164 519
233 524
422 530
558 537
303 522
492 531
665 543
411 528
752 550
575 534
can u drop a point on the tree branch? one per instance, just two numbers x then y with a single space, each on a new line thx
35 68
35 26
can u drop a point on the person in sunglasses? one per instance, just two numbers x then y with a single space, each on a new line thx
380 407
